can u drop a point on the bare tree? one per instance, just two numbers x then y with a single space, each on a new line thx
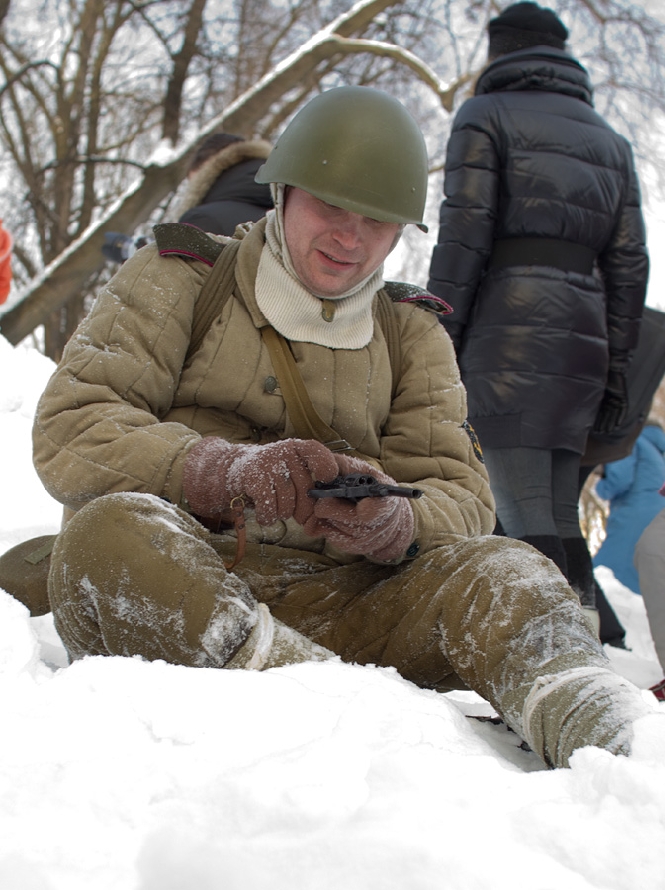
64 136
99 117
70 274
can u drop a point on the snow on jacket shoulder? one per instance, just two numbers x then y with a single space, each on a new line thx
123 408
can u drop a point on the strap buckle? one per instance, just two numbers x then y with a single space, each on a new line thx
338 445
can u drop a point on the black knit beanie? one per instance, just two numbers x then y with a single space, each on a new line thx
522 25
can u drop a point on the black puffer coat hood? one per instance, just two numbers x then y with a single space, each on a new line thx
543 68
222 193
528 157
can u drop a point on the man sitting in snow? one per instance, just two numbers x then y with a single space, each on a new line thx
151 434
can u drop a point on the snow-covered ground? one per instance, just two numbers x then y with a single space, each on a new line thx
117 774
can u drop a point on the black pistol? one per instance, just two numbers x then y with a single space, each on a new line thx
356 486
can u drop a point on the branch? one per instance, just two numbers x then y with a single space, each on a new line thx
404 56
92 159
21 71
67 275
181 62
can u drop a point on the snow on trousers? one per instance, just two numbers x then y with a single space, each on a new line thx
134 575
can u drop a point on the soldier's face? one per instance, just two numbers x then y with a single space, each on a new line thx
332 249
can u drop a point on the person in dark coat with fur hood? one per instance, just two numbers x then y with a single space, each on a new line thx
541 253
221 190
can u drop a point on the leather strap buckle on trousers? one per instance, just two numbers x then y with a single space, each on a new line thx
233 518
565 255
338 445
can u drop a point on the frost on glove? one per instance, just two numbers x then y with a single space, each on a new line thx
273 478
380 528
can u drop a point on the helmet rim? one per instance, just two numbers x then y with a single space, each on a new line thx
357 148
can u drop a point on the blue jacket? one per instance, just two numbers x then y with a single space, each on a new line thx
631 486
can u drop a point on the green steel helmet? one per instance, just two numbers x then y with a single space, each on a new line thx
356 148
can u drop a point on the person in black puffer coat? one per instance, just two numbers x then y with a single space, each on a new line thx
221 191
541 254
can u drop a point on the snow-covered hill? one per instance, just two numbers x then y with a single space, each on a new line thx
117 774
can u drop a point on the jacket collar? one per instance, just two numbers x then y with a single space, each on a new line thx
542 68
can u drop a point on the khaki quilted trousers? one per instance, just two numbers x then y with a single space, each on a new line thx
133 575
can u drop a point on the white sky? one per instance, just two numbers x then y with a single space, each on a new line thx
655 221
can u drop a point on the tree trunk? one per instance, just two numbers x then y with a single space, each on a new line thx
65 278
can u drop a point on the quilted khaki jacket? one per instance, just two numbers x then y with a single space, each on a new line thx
123 407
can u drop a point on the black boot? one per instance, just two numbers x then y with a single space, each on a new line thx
580 570
550 546
582 580
612 630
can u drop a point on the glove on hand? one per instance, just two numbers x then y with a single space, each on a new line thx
381 528
274 478
614 406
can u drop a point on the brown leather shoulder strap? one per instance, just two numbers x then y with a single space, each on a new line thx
306 420
385 314
216 290
304 417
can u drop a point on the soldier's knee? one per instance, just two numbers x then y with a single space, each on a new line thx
116 521
111 514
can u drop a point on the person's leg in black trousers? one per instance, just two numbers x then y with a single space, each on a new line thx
612 631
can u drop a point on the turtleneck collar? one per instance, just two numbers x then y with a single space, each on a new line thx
343 322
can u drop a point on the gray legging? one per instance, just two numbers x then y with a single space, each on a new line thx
649 561
536 490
